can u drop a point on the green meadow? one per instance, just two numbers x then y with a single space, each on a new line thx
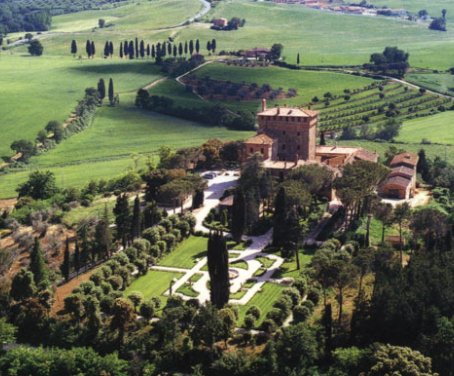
437 129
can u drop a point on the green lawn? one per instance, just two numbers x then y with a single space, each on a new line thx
154 283
440 82
264 300
186 253
376 231
438 129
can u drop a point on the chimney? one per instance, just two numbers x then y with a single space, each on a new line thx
263 104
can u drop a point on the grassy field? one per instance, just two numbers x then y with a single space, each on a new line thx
438 128
154 283
187 253
440 82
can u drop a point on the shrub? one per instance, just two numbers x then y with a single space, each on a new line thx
116 282
170 241
162 246
293 294
152 235
300 314
254 311
249 322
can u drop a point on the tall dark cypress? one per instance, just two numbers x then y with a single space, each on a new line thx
103 235
163 50
209 46
101 89
175 51
153 51
148 50
66 265
213 45
280 217
169 49
218 269
111 92
131 50
88 48
93 48
327 322
121 50
186 47
197 46
136 219
142 49
136 47
74 47
77 260
198 198
191 47
180 49
122 218
38 265
106 49
111 48
238 216
125 48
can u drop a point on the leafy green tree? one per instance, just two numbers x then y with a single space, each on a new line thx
7 332
38 265
73 47
275 52
101 23
26 148
207 327
57 129
122 316
23 285
122 218
35 48
40 185
218 268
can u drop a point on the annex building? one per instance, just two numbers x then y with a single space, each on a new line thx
287 139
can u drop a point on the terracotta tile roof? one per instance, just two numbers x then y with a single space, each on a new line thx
407 158
261 138
288 111
402 171
366 155
399 181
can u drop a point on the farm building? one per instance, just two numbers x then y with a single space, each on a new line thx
287 138
256 53
220 22
401 181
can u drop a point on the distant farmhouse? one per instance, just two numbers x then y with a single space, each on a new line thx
286 139
401 181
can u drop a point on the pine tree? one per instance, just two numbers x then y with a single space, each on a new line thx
180 49
238 216
191 47
142 49
298 59
88 48
121 50
213 45
148 50
101 89
74 47
38 265
111 48
186 47
111 92
106 49
93 49
122 218
77 257
218 269
280 216
136 47
66 266
136 219
103 235
197 46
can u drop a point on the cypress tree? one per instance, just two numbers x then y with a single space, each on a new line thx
280 216
180 49
238 216
197 46
93 49
121 50
77 257
169 49
175 51
136 47
327 322
197 199
111 92
106 49
125 48
298 59
218 269
209 46
122 218
153 51
131 50
191 47
186 47
322 138
148 50
136 219
103 235
38 265
142 49
213 45
423 166
101 89
163 50
88 48
111 48
66 266
151 215
74 47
